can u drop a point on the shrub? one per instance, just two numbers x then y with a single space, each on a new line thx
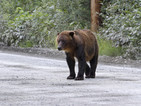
26 26
122 25
37 24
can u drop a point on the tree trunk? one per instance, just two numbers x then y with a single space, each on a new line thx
95 10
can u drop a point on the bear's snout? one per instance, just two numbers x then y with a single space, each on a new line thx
59 48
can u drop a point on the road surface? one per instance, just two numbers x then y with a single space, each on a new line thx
37 81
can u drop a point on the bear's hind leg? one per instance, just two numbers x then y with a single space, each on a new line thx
93 64
87 71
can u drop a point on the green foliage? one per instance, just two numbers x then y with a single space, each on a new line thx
27 26
30 23
77 12
38 21
122 25
26 44
106 48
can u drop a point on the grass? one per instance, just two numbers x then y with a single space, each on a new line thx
26 44
106 48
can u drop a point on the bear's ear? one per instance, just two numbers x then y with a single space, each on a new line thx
71 34
58 34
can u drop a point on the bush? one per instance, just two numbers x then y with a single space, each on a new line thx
26 26
122 25
37 24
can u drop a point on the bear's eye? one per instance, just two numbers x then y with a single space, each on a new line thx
63 41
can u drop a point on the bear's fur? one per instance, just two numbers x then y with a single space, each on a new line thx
81 44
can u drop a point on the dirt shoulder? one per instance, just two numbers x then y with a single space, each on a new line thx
53 53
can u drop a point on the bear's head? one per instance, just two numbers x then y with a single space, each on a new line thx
65 40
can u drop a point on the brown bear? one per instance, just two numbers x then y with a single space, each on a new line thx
81 44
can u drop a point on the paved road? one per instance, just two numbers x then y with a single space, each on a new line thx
38 81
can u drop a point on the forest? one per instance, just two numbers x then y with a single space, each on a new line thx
35 23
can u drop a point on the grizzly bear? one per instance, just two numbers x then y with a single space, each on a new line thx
81 44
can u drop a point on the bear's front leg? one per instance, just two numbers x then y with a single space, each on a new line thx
81 64
81 67
71 64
